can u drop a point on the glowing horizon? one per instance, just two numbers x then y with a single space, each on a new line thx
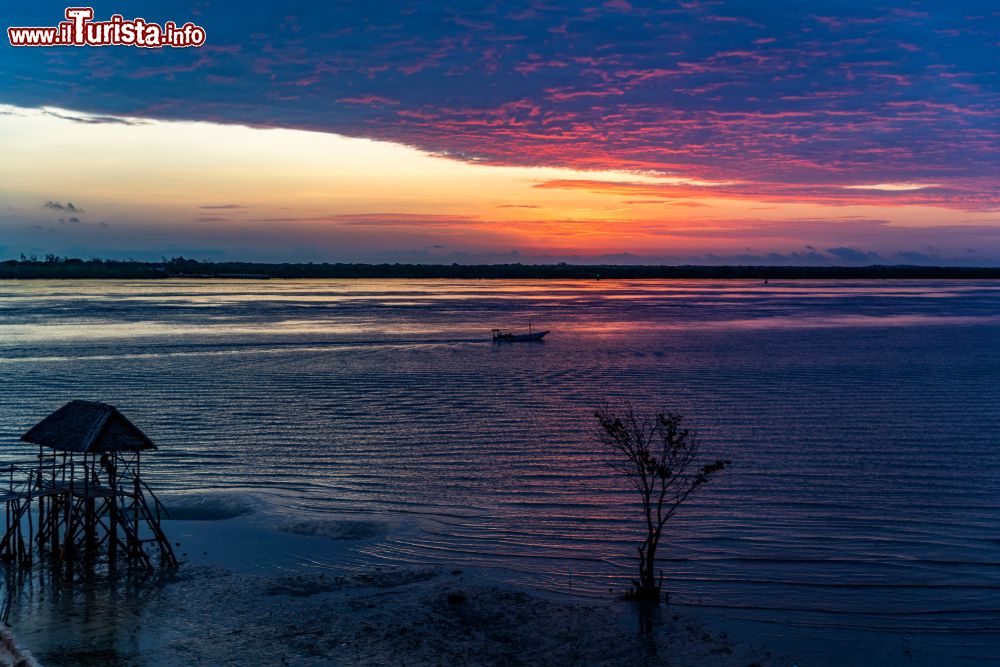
175 185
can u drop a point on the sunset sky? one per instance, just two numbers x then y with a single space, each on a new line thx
698 132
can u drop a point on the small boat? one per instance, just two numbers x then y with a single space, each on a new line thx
500 336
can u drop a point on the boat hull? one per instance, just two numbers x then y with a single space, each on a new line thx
519 338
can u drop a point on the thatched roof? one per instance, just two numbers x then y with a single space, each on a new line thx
88 426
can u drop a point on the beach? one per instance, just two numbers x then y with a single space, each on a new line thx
299 612
419 617
204 613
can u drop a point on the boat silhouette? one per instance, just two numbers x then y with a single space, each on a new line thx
500 336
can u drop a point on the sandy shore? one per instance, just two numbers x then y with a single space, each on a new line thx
262 588
208 615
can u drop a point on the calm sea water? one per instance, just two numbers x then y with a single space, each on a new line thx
863 419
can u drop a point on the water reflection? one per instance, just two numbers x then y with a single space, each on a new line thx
846 407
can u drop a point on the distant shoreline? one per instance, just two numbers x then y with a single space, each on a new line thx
76 269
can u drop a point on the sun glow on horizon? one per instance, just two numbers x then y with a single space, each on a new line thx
893 187
152 186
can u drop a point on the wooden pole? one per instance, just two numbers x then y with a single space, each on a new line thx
10 535
88 509
31 527
67 547
6 533
41 502
137 546
113 509
54 508
20 534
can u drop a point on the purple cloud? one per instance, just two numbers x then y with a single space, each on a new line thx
852 93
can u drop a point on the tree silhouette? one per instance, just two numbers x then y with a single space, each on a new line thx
658 457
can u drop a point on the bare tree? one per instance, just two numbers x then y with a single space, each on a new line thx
658 456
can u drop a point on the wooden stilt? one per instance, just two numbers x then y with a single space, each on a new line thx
31 525
71 513
113 521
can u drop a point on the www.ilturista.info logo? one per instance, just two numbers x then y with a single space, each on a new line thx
79 29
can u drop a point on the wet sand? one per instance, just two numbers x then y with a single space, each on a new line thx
420 616
251 591
256 588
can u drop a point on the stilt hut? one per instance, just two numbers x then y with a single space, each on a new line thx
85 495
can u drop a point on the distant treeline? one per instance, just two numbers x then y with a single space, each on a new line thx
52 267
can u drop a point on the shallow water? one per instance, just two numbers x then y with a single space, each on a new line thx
862 419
